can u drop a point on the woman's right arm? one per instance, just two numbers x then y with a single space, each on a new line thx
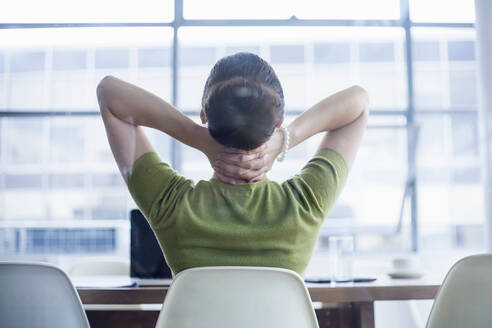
342 116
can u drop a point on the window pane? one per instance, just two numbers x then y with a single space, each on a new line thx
442 11
277 9
69 241
112 58
67 140
58 69
462 88
465 135
64 169
207 56
287 54
153 57
347 9
2 65
311 63
375 186
2 80
445 68
2 148
376 52
66 181
331 53
107 180
23 181
450 192
89 11
426 51
461 51
69 60
27 62
241 48
25 141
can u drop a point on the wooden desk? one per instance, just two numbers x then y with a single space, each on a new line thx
343 305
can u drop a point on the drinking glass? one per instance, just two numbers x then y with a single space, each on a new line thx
341 256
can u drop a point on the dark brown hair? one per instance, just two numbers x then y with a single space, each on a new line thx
243 101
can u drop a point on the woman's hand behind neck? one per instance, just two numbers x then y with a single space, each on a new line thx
236 166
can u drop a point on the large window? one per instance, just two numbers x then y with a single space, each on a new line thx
415 184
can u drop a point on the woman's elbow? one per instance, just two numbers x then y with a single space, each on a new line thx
362 97
102 87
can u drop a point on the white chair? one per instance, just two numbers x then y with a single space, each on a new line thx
465 297
38 295
236 296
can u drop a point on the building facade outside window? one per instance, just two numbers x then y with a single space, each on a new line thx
61 193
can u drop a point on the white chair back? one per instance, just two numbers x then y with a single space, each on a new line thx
237 297
465 297
38 295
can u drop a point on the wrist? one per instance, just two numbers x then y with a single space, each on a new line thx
285 144
276 143
295 135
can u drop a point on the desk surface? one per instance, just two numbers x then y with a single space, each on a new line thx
383 289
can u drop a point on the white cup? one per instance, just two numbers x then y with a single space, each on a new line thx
409 264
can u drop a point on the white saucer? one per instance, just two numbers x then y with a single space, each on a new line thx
406 275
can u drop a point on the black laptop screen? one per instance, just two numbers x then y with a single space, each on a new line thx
146 258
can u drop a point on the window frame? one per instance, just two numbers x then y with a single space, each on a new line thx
409 113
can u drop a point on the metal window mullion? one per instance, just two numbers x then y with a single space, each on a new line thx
245 22
180 21
47 125
77 25
4 134
176 147
374 112
94 112
411 127
291 22
3 166
444 24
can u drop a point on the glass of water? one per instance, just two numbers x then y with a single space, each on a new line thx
341 257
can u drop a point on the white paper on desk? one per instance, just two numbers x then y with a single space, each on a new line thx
102 281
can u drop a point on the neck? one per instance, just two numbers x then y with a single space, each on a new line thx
244 182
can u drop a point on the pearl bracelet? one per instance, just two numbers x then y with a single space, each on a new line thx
285 144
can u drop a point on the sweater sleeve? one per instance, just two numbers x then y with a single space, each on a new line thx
155 187
320 182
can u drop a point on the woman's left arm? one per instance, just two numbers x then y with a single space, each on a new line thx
124 107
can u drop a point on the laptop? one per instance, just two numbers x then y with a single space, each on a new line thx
147 264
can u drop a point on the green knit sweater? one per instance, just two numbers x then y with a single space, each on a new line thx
259 224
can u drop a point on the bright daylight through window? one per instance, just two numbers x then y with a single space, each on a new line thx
416 181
